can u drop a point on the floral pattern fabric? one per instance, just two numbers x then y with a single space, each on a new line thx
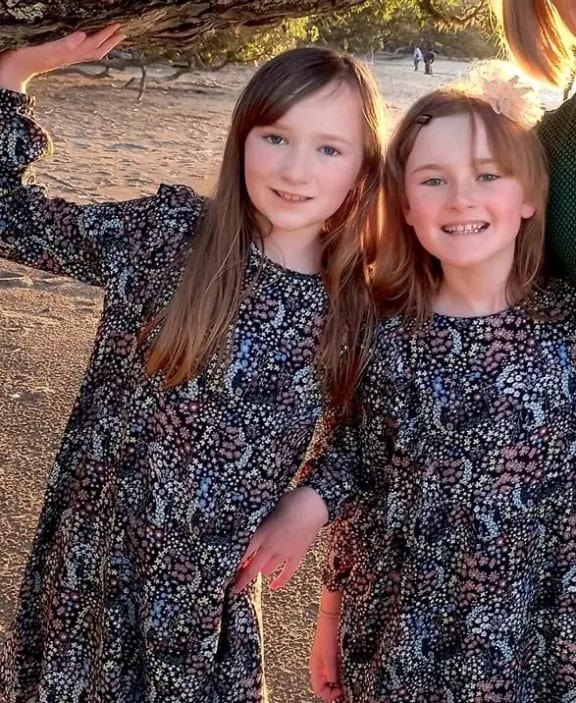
128 594
458 564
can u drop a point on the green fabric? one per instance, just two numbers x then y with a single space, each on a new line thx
557 132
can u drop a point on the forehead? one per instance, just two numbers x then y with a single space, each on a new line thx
335 107
451 138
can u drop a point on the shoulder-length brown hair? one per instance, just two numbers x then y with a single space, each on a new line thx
194 325
408 277
537 37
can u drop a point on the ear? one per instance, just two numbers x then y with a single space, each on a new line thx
407 213
528 210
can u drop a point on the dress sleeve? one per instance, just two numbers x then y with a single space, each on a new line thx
557 131
91 243
342 549
336 472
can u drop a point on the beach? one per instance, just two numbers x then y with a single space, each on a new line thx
110 146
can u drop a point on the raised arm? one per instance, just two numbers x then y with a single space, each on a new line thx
18 66
88 242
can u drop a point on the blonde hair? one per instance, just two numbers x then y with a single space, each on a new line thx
408 277
194 325
537 37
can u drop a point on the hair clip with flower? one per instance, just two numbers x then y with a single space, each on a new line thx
499 84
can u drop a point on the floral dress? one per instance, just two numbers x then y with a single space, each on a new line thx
154 494
458 564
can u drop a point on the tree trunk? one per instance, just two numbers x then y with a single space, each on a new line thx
149 23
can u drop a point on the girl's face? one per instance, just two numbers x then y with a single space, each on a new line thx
465 211
299 170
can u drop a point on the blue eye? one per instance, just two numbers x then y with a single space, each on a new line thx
330 151
488 177
274 139
433 182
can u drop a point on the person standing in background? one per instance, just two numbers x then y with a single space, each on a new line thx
417 57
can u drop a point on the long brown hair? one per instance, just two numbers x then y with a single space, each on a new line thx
194 325
408 277
537 37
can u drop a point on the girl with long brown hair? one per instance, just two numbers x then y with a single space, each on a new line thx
230 326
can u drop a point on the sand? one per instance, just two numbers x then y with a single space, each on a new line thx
109 146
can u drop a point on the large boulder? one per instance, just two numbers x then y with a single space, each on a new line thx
153 23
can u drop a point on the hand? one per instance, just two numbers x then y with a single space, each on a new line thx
18 66
325 660
284 537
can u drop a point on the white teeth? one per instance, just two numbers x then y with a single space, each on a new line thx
290 197
471 228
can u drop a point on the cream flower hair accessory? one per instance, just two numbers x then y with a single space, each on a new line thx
500 85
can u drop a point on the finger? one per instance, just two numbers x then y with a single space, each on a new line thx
97 39
316 670
332 692
249 572
251 549
328 690
331 670
288 570
274 563
74 41
109 45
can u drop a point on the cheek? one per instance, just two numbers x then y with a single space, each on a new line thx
251 165
418 212
340 181
256 159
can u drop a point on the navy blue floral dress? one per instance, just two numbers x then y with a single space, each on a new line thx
458 564
154 493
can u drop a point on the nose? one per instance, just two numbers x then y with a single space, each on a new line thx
296 165
462 195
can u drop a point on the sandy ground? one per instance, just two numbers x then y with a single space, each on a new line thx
108 146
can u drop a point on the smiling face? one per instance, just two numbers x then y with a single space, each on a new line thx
464 209
299 170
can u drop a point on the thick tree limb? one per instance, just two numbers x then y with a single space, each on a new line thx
148 23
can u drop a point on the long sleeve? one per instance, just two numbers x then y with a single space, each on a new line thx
336 471
557 132
92 243
342 549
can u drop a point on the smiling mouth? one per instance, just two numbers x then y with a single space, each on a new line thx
291 197
468 228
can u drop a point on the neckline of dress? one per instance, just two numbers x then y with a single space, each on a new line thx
269 263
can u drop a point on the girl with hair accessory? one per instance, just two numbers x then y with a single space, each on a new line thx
230 326
541 35
452 576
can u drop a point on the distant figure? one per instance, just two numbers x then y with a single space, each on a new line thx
429 58
417 57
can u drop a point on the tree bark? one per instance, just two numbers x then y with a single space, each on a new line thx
149 23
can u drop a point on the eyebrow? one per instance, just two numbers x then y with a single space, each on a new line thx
439 167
